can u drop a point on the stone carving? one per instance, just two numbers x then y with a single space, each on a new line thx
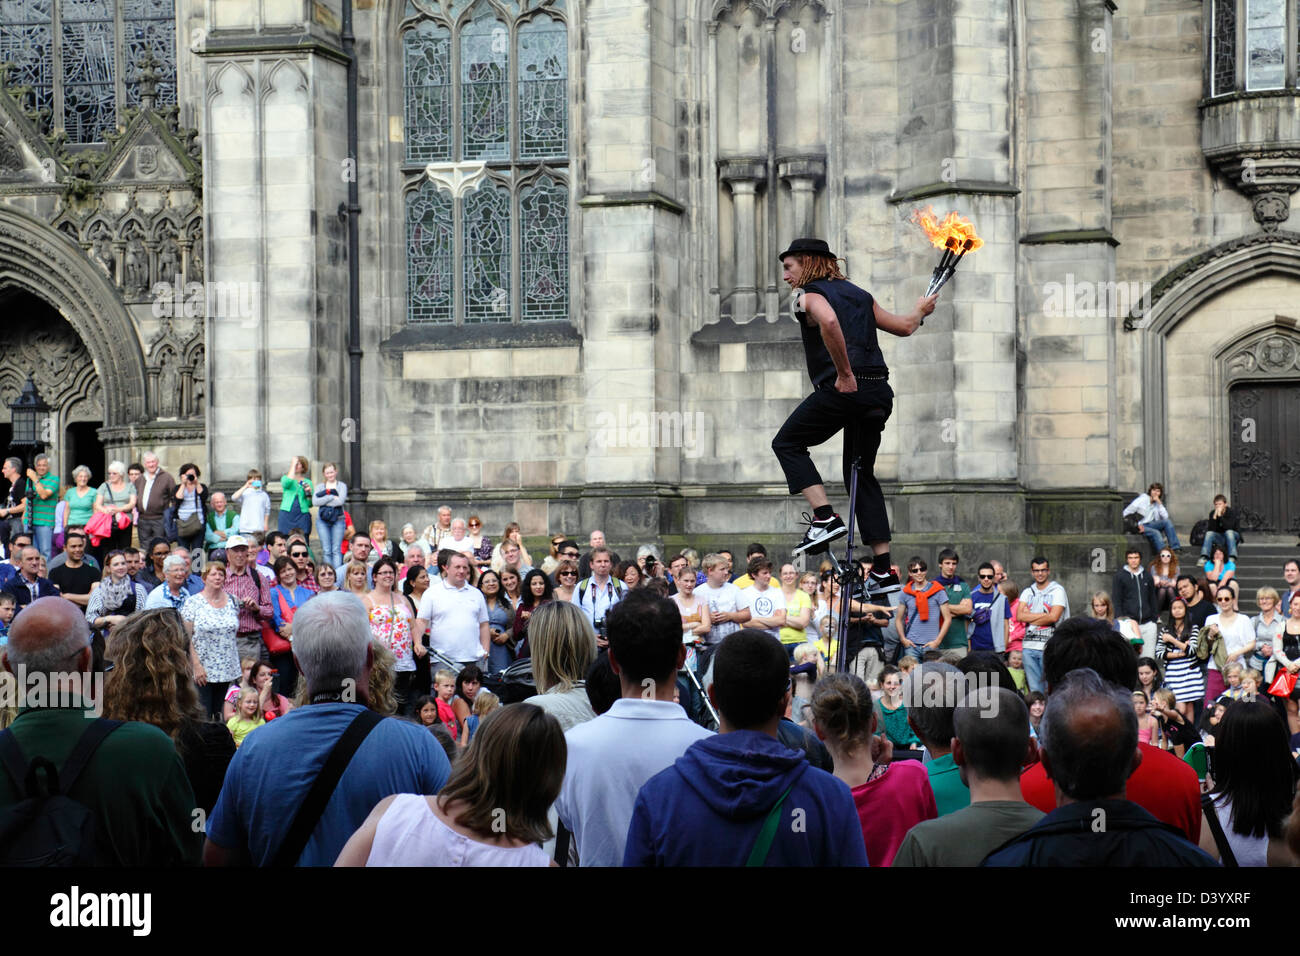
146 160
11 161
1273 355
101 250
135 278
175 372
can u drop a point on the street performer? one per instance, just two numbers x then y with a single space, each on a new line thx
851 391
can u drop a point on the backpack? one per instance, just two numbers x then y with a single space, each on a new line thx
46 827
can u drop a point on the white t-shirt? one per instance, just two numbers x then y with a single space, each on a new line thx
454 616
764 604
410 834
254 506
1038 602
725 599
1241 633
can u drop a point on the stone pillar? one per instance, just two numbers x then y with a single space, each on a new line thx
803 176
743 177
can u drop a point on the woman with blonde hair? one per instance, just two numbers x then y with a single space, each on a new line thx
296 497
355 579
493 810
563 646
151 682
380 546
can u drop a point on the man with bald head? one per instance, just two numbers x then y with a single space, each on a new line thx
29 585
1089 743
133 782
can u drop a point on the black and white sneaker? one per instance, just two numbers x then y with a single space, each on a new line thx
820 534
884 588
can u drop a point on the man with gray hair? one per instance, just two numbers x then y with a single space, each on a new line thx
301 785
131 779
156 491
1089 743
931 693
44 499
990 746
28 586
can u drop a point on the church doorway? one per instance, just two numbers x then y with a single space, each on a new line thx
1265 455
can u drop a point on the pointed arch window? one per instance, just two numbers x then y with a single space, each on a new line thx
83 59
486 108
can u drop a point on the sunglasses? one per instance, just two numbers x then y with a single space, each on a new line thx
915 570
1223 600
986 577
475 524
298 554
568 574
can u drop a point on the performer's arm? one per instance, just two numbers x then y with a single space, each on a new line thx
903 324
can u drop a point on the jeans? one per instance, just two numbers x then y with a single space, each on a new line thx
43 538
862 416
1034 668
1227 539
1153 531
331 540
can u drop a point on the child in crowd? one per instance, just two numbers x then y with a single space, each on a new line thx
7 607
891 712
1233 673
232 695
1037 702
484 703
426 711
891 798
1177 734
1251 682
444 686
1015 629
907 665
1211 718
1148 726
247 716
254 505
1016 665
804 681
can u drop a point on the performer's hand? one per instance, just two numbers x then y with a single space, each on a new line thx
925 304
846 384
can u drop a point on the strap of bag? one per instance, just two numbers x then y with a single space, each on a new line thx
309 814
763 845
1226 856
91 738
562 839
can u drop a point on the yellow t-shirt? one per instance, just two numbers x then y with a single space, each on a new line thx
743 581
240 728
796 635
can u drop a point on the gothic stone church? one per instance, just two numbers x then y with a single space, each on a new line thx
567 304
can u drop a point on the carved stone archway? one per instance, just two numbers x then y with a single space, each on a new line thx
50 265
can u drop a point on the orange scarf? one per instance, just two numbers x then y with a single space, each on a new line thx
923 600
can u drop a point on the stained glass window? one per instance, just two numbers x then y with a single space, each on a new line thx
426 51
1265 44
543 88
486 87
1223 47
83 58
429 253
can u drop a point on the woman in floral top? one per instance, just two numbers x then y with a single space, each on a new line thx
211 618
390 623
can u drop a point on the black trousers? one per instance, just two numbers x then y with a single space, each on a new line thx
862 416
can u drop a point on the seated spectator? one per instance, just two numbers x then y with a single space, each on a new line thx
492 812
563 648
1164 575
1162 784
1221 531
467 686
612 756
151 682
1016 668
1149 678
133 783
990 749
485 702
1036 701
273 772
247 717
458 539
1089 748
1148 726
8 607
931 692
1153 518
29 585
221 523
326 579
1219 570
711 807
891 797
1177 732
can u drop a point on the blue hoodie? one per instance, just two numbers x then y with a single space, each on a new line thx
708 807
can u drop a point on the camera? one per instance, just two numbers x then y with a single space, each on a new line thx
650 562
600 630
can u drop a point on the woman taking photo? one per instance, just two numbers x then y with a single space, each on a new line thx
116 598
492 812
563 648
80 498
391 624
296 496
151 682
116 496
1232 639
330 498
501 619
1176 648
287 595
537 591
191 506
211 620
1286 651
1254 784
1164 575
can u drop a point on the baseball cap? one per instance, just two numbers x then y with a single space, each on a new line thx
236 541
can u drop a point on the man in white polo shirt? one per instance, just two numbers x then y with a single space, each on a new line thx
454 615
611 757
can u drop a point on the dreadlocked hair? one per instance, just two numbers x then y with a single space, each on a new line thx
818 267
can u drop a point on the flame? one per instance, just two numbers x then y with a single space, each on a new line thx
954 232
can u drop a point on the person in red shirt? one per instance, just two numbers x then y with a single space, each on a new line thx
1161 784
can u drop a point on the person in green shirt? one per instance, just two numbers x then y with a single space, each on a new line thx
44 498
135 784
931 693
959 603
295 498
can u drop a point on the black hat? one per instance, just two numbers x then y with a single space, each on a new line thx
808 247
